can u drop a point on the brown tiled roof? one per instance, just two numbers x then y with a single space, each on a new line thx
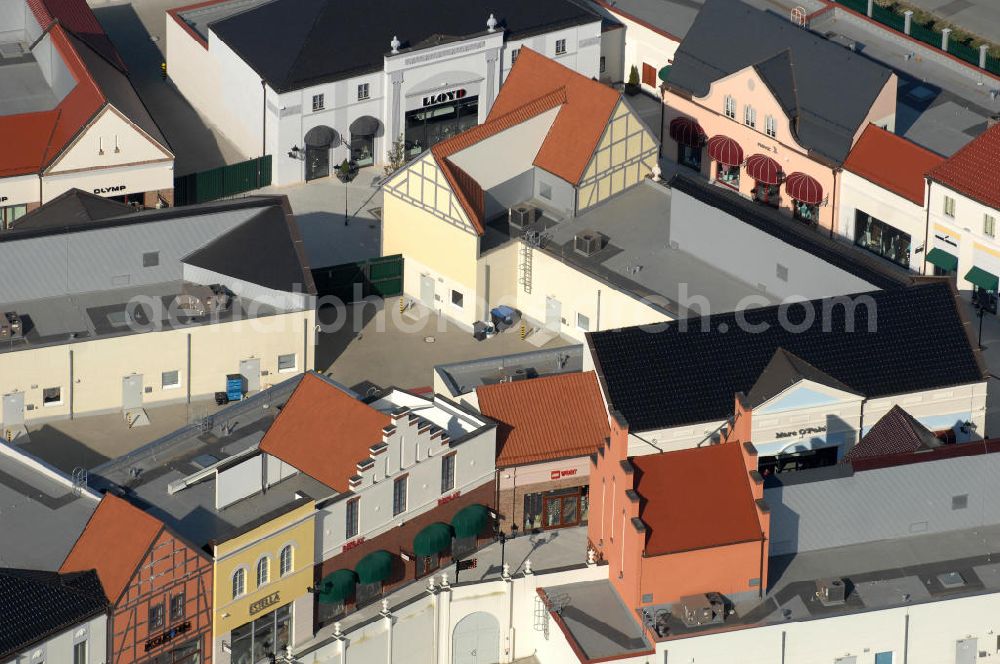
975 169
548 418
892 162
695 499
896 432
324 432
114 542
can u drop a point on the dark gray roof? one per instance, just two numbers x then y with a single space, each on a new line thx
35 605
118 90
834 87
265 250
897 341
71 208
784 370
296 43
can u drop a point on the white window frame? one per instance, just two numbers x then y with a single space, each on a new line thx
348 534
267 571
750 116
57 402
989 225
238 589
560 47
405 483
170 386
295 363
282 558
730 107
579 326
318 102
770 126
364 91
949 207
603 66
514 52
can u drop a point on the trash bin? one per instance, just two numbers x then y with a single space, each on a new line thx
236 387
479 330
504 317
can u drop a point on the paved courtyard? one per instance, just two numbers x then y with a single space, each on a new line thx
980 17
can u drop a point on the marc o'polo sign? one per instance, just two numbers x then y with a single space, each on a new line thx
452 95
264 603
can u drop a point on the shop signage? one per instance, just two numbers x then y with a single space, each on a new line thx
447 499
556 474
353 543
800 432
3 199
769 148
110 190
167 636
264 603
463 565
452 95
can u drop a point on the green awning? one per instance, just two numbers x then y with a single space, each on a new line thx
435 538
982 278
375 567
942 259
664 72
337 587
469 521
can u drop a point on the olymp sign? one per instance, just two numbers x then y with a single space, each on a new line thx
109 190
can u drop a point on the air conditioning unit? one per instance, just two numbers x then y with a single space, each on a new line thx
10 326
197 300
698 610
520 216
588 243
831 592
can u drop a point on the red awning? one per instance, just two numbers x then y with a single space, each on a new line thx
687 132
763 169
803 188
725 150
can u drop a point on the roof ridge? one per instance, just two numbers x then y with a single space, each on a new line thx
306 39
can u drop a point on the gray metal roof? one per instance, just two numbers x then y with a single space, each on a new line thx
464 377
834 86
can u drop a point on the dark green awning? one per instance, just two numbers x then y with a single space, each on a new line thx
942 259
435 538
664 72
982 278
375 567
337 587
469 520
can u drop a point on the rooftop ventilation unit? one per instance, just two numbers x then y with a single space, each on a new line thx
10 326
12 50
520 216
831 592
698 610
588 242
197 300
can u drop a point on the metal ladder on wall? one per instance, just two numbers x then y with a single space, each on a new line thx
527 251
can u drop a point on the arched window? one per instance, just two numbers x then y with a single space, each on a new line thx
239 583
286 561
263 571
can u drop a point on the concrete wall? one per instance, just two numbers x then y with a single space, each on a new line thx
884 504
613 45
287 301
646 44
56 74
59 648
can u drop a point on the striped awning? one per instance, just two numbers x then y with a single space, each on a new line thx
763 169
687 132
725 150
804 188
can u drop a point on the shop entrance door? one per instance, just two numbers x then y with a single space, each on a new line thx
317 162
561 511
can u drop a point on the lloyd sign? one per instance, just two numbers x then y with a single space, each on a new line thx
443 97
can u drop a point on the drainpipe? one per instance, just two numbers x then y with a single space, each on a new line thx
906 638
836 184
263 118
597 325
927 226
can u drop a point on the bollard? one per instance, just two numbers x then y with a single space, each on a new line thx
163 70
524 330
402 304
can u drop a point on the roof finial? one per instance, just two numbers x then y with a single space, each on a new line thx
491 23
394 44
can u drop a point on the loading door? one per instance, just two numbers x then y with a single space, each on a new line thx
553 314
13 411
476 640
250 369
132 392
966 651
427 290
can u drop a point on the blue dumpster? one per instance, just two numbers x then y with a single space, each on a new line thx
236 387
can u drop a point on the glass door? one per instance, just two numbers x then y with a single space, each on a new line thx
561 511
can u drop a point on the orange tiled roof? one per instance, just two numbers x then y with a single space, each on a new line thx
975 169
114 542
32 140
892 162
324 432
548 418
696 499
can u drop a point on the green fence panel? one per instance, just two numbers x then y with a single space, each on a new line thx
223 181
964 51
857 5
381 277
925 34
993 64
888 17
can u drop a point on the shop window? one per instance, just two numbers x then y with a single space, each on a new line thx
319 102
447 473
457 299
263 639
286 560
430 125
177 607
750 116
151 259
351 525
156 616
989 226
768 194
263 571
52 396
11 213
286 362
604 65
949 206
428 564
881 238
727 175
532 512
363 91
239 583
770 126
984 299
730 107
399 496
463 546
514 52
560 46
883 658
170 379
689 156
805 212
648 75
582 322
366 593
